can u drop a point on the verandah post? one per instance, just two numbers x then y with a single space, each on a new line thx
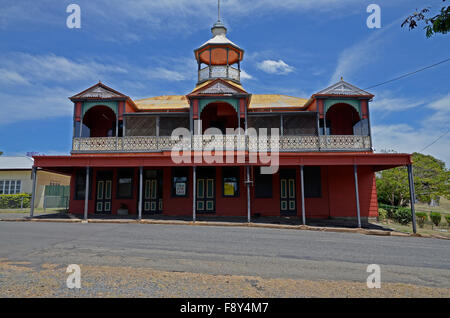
248 195
86 195
412 195
141 181
194 196
302 183
33 190
355 168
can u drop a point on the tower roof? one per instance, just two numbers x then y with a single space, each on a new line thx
219 45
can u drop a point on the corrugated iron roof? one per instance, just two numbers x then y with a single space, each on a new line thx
16 163
276 101
166 102
177 102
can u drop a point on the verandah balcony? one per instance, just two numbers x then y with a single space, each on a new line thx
236 142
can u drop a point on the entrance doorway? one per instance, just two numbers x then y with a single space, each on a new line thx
288 198
206 194
152 202
104 192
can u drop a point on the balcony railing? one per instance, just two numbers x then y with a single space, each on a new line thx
219 71
212 142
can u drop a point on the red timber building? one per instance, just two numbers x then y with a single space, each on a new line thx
121 159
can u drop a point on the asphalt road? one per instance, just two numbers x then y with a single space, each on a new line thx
267 253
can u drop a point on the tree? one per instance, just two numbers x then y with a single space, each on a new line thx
1 153
431 180
439 23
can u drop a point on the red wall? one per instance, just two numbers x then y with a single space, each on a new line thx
337 200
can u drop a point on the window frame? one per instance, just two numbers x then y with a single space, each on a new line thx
307 173
132 173
176 173
234 172
258 175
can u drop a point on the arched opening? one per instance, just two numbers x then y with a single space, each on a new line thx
219 115
100 121
342 118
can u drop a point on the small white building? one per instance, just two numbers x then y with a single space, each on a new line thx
15 178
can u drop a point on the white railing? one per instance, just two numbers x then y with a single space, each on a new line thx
219 71
219 142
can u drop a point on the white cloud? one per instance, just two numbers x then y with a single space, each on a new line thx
11 77
362 53
42 103
389 103
441 116
23 67
406 138
158 15
245 75
165 74
275 67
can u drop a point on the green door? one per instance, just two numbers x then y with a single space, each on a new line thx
152 195
103 199
206 196
288 197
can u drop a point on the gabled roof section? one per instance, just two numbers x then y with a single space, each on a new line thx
343 88
99 91
16 163
218 87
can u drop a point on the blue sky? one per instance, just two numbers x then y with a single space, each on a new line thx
144 48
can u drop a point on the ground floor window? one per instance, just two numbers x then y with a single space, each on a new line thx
180 177
313 182
263 184
10 186
125 183
230 181
80 184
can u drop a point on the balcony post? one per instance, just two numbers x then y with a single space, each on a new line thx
302 184
318 129
355 169
412 196
33 190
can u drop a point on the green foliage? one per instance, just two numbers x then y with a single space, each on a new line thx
421 218
440 23
447 218
431 180
15 201
382 214
435 218
402 215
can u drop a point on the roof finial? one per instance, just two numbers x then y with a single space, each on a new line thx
218 10
342 78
